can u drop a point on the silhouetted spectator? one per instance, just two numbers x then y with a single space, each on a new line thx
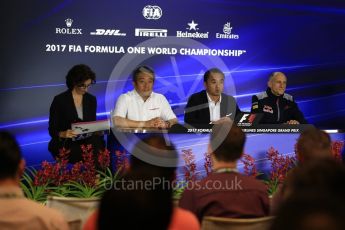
17 212
312 144
316 200
152 163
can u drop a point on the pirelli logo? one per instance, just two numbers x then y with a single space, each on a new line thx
141 32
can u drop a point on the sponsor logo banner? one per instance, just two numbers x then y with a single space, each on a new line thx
227 33
68 29
152 12
142 32
108 32
192 31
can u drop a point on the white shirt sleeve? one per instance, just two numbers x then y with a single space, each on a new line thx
121 107
167 113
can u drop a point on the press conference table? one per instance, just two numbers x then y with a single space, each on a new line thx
262 128
140 130
261 138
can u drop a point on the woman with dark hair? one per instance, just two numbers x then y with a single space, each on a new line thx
71 106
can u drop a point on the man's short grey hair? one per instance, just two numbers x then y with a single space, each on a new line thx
142 69
272 75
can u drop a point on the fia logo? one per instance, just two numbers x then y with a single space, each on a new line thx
227 28
152 12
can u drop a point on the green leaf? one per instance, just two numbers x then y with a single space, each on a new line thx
36 193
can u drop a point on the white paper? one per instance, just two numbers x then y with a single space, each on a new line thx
90 126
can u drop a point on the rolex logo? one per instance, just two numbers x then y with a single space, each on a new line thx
69 22
69 29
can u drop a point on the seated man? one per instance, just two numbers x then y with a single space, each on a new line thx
141 107
17 212
276 105
211 105
226 192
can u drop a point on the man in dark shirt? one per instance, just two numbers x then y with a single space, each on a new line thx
226 192
276 105
211 106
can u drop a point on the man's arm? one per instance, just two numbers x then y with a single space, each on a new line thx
294 116
238 110
171 122
54 121
167 115
127 123
120 116
255 105
299 115
190 111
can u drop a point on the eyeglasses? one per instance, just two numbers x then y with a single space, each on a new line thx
83 86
